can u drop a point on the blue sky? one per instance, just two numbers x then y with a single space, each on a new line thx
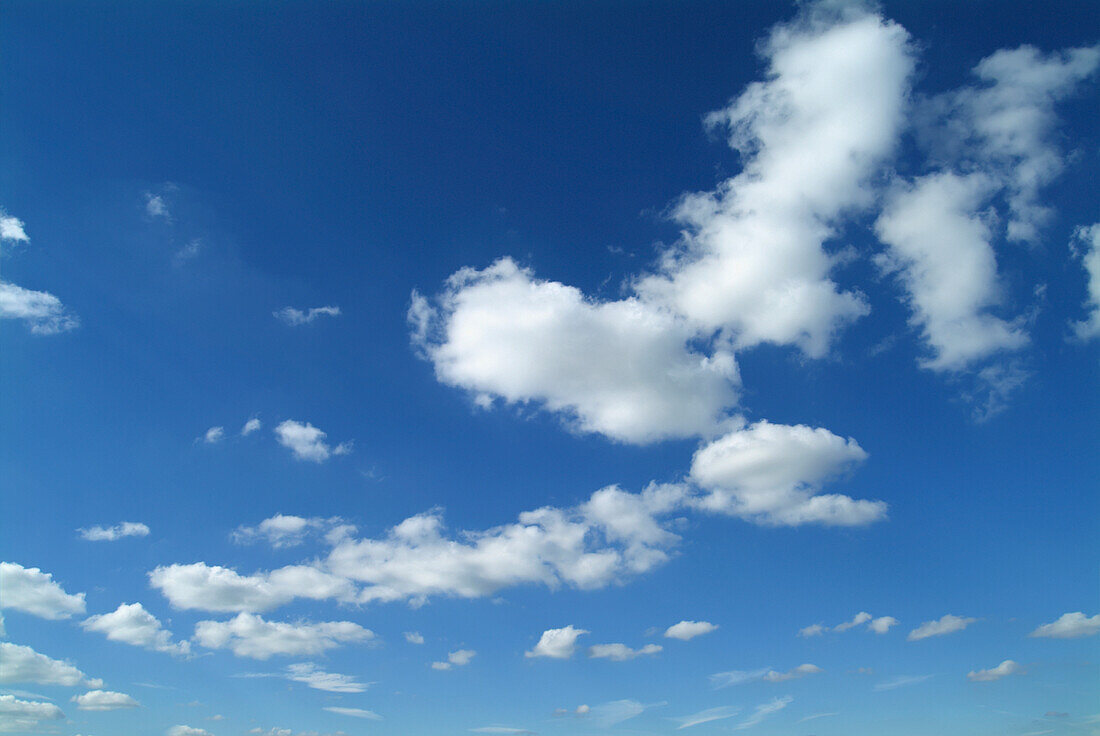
560 368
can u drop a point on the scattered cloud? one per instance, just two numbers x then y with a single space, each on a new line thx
414 637
220 589
249 635
617 711
307 442
283 531
104 700
882 624
621 652
739 677
214 435
948 624
295 317
459 658
187 731
860 618
812 630
112 533
12 229
32 591
156 206
1069 626
815 716
901 681
878 625
43 312
764 710
1089 328
557 643
131 624
316 678
1005 668
687 630
251 426
706 716
20 664
354 712
25 716
503 730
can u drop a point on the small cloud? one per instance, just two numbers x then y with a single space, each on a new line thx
882 624
251 426
811 630
557 643
112 533
860 618
815 716
214 435
1005 668
307 442
620 652
295 317
948 624
738 677
156 207
765 710
459 658
354 713
414 637
706 716
687 630
104 700
12 229
187 252
1069 626
617 711
503 730
901 681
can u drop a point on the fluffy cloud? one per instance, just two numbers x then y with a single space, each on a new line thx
621 652
354 712
459 658
187 731
12 229
252 425
43 312
214 588
771 474
156 206
812 630
1069 626
1089 327
214 435
882 624
948 624
112 533
414 637
32 591
249 635
307 442
1007 667
104 700
557 643
686 630
23 664
131 624
282 531
622 369
24 716
878 625
860 618
295 317
316 678
707 716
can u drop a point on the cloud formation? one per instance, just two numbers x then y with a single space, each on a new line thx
32 591
22 664
557 643
101 700
113 533
306 442
249 635
948 624
295 317
25 716
131 624
1069 626
687 630
1005 668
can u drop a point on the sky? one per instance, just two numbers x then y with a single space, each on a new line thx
572 368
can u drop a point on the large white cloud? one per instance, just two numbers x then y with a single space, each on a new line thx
249 635
32 591
22 664
1069 626
131 624
214 588
25 716
772 474
557 643
623 369
104 700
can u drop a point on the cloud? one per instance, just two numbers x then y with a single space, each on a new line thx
104 700
1069 626
617 711
32 591
1089 328
503 730
295 317
557 643
316 678
739 677
901 681
251 426
307 442
187 731
621 652
878 625
687 630
815 716
860 618
622 369
23 664
797 673
764 710
414 637
458 658
131 624
12 229
249 635
1007 667
214 588
157 207
354 712
811 630
43 312
772 474
948 624
112 533
214 435
882 624
282 531
706 716
23 716
187 252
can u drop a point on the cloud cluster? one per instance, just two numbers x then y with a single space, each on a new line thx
878 625
459 658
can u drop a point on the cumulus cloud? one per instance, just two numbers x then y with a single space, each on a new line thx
157 207
882 624
1005 668
1069 626
318 679
812 630
557 643
214 588
948 624
12 229
32 591
414 637
307 442
104 700
282 530
22 664
772 474
878 625
187 731
764 710
24 716
621 652
354 712
622 369
459 658
249 635
860 618
706 716
687 630
214 435
131 624
112 533
43 312
295 317
252 425
1089 327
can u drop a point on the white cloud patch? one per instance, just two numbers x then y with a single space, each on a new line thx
707 716
43 312
882 624
12 229
214 588
860 618
878 625
772 474
156 206
687 630
104 700
414 637
22 664
797 673
1089 237
764 710
249 635
283 530
295 317
812 630
1005 668
32 591
557 643
617 711
318 679
25 716
187 731
252 425
1069 626
369 715
901 681
131 624
503 730
740 677
307 442
115 532
948 624
621 652
459 658
214 435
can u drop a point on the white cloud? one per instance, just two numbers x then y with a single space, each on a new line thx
187 731
32 591
282 530
249 635
764 710
25 716
414 637
622 369
112 533
187 252
860 618
214 588
948 624
878 625
459 658
316 678
686 630
307 442
557 643
617 711
251 426
295 317
771 474
1089 327
1007 667
354 712
214 435
882 624
812 630
1069 626
12 229
43 312
104 700
621 652
739 677
156 206
503 730
797 673
131 624
23 664
901 681
706 716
